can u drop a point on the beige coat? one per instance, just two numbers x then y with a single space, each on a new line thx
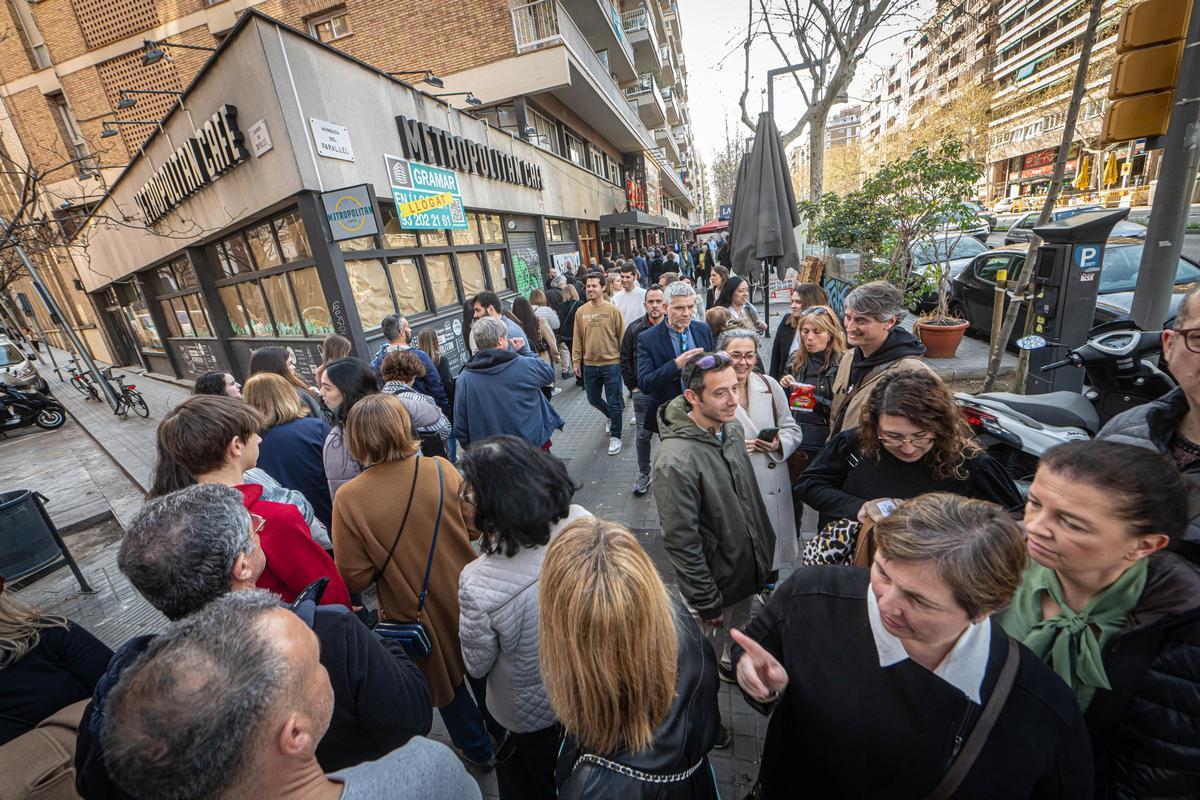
769 409
367 513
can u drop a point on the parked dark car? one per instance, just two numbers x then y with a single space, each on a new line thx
1022 229
973 290
956 248
983 214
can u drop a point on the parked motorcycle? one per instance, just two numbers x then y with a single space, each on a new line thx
20 409
1016 429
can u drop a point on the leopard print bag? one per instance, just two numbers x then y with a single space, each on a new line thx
834 544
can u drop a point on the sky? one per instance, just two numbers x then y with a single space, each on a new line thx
712 30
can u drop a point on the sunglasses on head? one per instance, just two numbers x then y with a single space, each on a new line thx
814 310
712 360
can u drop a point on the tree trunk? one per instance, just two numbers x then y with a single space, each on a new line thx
816 149
1000 338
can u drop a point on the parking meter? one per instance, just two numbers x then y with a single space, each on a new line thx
1065 284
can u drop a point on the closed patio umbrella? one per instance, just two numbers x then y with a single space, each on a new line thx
1084 177
1110 170
762 230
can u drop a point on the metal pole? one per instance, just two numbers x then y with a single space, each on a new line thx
42 333
52 307
1172 200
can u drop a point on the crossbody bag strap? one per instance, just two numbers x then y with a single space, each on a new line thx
437 524
979 734
412 490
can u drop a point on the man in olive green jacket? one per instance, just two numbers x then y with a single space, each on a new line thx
715 527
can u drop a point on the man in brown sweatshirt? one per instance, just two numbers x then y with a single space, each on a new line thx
597 353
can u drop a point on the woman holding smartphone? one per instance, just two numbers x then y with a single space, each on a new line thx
772 435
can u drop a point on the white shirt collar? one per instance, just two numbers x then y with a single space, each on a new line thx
963 667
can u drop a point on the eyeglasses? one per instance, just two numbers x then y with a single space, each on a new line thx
736 356
257 523
814 310
895 440
1191 338
711 361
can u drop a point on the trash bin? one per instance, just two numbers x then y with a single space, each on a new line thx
29 542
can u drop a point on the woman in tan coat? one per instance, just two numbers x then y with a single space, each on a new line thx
369 518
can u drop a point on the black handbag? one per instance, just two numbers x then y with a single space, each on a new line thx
412 636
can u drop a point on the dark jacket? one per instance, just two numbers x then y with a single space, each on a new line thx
61 669
380 700
715 527
291 453
566 331
815 423
657 268
657 374
681 741
1153 426
840 479
845 727
430 383
500 392
629 351
785 334
1146 730
643 269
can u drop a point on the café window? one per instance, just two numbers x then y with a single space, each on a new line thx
267 281
142 325
179 298
558 230
331 26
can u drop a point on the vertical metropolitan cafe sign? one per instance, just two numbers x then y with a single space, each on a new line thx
212 150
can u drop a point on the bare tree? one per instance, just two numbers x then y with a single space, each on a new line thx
832 37
725 167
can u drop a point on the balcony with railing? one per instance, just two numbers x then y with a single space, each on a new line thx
649 101
672 106
543 24
667 143
639 26
600 22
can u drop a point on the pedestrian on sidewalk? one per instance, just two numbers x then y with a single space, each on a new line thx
399 335
820 344
400 370
500 391
544 307
343 384
487 304
221 384
233 702
521 498
715 527
663 349
401 526
631 296
216 440
539 337
32 337
596 349
640 711
716 280
735 296
333 347
772 436
877 346
655 308
801 298
643 267
282 361
293 441
566 331
186 550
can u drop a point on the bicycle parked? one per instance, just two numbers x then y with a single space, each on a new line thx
128 397
82 380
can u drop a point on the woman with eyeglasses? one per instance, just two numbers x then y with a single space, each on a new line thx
772 435
911 440
810 370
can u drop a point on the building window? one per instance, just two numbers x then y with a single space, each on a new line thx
470 272
558 230
547 132
331 26
76 145
369 285
178 296
267 282
406 284
441 279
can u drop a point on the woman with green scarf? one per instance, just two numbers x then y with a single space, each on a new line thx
1115 614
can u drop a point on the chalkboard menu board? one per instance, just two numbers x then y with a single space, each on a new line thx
308 356
196 357
452 344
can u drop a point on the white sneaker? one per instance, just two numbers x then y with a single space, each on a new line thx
557 391
614 446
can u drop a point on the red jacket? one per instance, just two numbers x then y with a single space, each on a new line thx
294 560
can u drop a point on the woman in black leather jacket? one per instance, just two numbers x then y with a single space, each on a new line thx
646 737
819 345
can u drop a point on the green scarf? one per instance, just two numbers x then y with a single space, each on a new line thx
1067 641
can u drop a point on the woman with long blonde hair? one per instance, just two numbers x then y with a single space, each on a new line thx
627 671
47 663
820 343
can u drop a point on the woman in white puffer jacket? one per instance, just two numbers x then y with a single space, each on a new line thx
521 497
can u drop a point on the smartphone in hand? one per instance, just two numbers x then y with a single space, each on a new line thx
768 435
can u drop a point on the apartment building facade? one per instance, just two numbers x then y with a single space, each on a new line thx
598 89
842 129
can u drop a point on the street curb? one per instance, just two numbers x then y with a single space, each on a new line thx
948 373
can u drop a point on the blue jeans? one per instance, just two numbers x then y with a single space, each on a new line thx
608 378
465 725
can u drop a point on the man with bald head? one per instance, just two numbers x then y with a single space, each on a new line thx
231 702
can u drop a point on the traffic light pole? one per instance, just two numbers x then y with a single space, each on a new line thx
1172 198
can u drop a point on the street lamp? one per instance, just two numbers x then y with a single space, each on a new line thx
126 101
429 78
107 132
155 52
472 100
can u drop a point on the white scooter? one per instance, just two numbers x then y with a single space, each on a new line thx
1016 429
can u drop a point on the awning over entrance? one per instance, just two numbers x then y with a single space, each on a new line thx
712 226
633 219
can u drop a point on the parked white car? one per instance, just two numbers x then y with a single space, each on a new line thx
17 370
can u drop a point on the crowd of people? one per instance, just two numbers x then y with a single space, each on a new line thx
338 560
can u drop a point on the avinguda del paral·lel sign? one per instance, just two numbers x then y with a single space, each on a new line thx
212 150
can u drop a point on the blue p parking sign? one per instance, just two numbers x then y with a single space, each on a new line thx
1087 257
